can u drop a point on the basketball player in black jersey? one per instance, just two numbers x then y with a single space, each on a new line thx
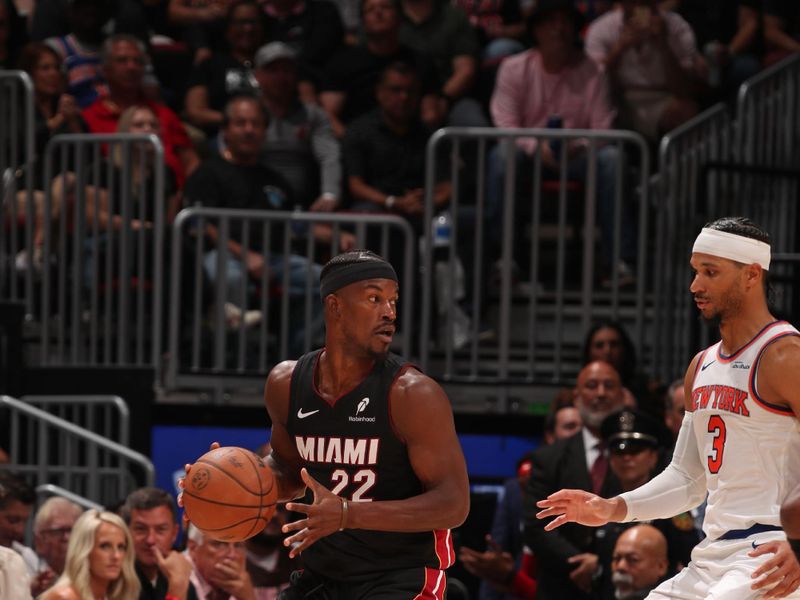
373 440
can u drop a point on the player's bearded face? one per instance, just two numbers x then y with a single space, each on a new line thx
724 303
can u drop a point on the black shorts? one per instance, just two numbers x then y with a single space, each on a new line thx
405 584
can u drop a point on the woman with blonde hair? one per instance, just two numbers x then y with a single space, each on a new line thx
99 562
135 182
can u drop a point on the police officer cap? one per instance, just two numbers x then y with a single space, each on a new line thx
630 429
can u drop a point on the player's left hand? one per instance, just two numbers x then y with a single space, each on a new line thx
323 517
782 570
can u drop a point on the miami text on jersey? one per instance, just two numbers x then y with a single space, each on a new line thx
340 451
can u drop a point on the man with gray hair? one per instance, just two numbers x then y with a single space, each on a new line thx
52 526
124 65
219 568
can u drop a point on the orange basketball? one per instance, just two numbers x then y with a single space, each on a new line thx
229 494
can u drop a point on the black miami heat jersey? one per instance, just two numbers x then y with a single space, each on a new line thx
350 447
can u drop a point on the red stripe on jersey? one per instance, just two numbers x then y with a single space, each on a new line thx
726 359
773 408
443 546
435 585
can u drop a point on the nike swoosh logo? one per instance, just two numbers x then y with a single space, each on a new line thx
755 545
303 415
705 366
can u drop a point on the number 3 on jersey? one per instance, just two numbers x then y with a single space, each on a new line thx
716 426
364 477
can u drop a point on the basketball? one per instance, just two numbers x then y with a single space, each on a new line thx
230 494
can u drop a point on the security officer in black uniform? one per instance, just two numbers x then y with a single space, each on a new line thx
634 441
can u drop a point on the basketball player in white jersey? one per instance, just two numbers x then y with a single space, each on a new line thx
739 440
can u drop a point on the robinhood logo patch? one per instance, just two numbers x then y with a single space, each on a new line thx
362 407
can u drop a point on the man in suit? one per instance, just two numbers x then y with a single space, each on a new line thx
566 564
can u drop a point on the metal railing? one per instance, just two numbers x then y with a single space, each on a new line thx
48 489
768 112
683 153
108 416
210 346
17 155
73 458
559 290
102 277
714 166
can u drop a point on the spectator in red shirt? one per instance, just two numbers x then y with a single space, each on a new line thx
124 58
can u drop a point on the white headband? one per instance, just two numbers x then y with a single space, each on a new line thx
731 246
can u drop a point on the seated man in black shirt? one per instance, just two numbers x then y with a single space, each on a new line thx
226 74
384 151
633 440
238 179
348 91
153 521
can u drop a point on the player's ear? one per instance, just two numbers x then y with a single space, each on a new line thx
753 275
332 304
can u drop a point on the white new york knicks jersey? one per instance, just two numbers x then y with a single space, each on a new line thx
750 449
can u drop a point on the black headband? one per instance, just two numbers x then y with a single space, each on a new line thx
336 276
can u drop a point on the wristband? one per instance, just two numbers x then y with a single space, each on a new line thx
389 202
795 544
343 523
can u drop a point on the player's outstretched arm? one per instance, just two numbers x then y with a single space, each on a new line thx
284 459
678 488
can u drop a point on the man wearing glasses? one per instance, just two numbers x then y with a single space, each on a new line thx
51 528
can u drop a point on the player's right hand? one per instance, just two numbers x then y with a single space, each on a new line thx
323 517
579 506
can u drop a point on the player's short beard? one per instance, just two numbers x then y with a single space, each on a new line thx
732 306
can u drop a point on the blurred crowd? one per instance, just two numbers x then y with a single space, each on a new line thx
129 552
610 433
321 105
